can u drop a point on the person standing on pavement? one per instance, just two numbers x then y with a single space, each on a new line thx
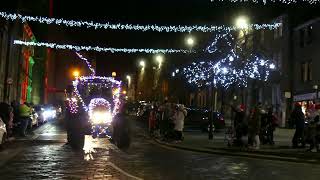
178 117
24 114
298 118
255 125
152 120
239 123
272 123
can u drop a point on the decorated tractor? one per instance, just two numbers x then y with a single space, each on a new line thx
93 102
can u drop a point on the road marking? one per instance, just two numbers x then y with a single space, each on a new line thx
122 171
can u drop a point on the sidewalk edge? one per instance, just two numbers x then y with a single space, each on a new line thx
239 154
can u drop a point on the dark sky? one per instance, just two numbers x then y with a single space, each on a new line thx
163 12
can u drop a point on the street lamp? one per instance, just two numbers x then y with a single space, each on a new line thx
159 59
242 22
76 73
142 64
114 74
315 87
190 41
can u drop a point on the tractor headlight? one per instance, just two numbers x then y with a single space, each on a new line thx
101 117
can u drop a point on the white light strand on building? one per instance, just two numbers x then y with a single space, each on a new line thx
131 27
271 1
102 49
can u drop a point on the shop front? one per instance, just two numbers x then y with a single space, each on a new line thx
306 100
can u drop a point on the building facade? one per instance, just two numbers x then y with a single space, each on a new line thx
306 44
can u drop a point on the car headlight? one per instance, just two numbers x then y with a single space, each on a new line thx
101 117
49 114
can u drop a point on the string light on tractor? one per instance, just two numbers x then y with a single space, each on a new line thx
131 27
87 63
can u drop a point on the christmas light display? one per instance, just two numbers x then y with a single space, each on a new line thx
98 81
272 1
73 105
102 49
87 63
132 27
229 69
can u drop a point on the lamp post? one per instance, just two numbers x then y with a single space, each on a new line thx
129 80
315 87
242 23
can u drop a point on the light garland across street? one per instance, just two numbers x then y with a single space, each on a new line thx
271 1
130 27
102 49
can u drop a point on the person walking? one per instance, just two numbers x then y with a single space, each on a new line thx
298 118
178 118
24 114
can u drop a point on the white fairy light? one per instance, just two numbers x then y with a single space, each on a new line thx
131 27
102 49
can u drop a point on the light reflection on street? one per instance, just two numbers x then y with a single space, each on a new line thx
91 145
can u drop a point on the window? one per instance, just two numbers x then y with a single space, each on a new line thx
303 72
301 37
306 71
309 74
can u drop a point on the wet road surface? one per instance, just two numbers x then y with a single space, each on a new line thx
48 157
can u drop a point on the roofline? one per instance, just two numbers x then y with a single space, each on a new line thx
312 21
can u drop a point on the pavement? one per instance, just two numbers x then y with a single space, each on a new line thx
198 142
46 156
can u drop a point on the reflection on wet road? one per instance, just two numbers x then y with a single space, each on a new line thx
100 159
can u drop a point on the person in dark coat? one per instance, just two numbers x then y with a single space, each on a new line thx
239 123
298 118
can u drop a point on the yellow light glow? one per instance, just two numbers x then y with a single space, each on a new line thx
114 74
76 73
242 22
124 92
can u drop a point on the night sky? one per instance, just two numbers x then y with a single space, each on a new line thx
164 12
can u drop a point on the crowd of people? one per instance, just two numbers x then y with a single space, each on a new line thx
259 126
262 122
167 121
17 118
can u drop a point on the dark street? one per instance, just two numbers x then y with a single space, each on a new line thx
48 157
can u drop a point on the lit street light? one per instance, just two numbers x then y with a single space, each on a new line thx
190 41
242 22
159 59
114 74
129 80
142 64
76 73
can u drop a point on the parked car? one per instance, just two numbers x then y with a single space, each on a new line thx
3 131
199 119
